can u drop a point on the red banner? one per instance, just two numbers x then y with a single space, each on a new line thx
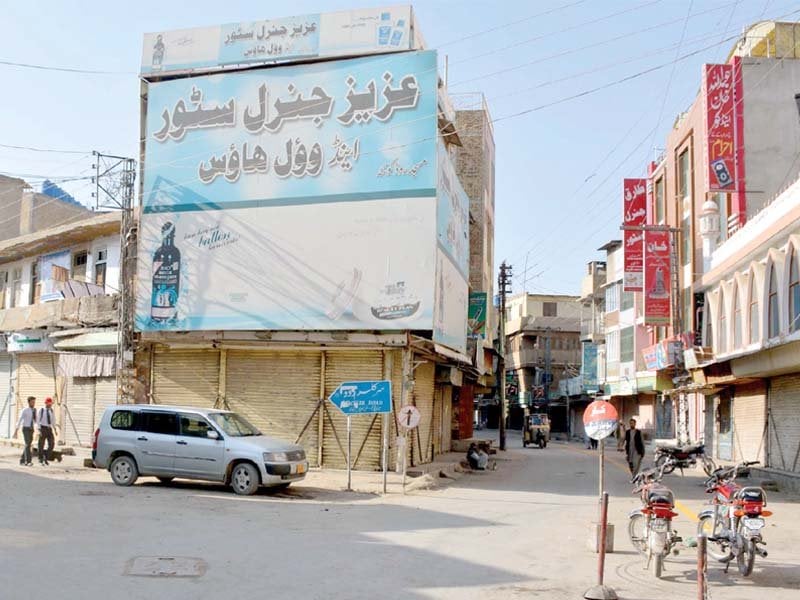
634 214
657 278
718 85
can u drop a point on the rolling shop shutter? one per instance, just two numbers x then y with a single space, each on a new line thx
78 422
351 365
749 418
8 404
784 423
36 377
278 392
105 395
186 377
423 435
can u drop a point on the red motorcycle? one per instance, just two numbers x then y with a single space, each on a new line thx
650 527
734 521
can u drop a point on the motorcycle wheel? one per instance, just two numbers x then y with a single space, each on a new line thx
661 460
746 558
658 565
709 466
637 532
719 550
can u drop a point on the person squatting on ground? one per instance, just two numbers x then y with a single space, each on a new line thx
634 448
27 421
477 458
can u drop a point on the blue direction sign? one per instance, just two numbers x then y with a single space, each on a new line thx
363 397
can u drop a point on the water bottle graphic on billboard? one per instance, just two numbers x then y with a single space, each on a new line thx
166 276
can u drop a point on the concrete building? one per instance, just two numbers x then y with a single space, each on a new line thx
58 315
542 348
25 211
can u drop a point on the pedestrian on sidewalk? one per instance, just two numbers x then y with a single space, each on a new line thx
634 448
620 434
27 421
46 426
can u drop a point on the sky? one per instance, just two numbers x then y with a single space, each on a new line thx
582 92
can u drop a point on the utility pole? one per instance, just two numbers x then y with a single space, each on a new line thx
547 367
504 288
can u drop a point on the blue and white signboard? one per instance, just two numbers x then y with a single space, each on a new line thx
363 397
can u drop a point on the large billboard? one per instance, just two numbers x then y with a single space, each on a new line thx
718 86
298 197
657 278
273 41
634 214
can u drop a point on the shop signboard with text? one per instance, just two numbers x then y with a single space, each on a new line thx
634 214
657 280
720 104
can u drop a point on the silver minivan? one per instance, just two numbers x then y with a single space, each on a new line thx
193 443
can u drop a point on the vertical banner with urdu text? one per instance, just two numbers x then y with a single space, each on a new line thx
634 214
657 277
718 87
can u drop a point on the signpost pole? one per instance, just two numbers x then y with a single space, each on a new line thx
349 439
602 468
385 450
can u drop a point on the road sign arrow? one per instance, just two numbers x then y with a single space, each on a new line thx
363 397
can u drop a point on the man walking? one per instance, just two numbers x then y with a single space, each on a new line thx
634 448
27 420
46 425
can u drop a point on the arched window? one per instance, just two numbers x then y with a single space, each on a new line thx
755 329
794 294
722 338
773 314
737 320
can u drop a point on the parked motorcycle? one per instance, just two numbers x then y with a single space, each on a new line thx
735 519
685 456
650 527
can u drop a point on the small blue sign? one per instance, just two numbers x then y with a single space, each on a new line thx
363 397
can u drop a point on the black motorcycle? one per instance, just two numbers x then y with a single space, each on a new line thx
684 457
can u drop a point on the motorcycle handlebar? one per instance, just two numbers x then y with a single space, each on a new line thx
725 473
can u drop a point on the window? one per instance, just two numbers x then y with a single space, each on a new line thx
124 419
737 321
160 422
794 294
686 241
612 346
36 288
612 297
550 309
755 330
16 287
3 285
722 333
684 175
688 309
626 302
100 267
660 200
773 315
194 426
626 345
79 260
724 203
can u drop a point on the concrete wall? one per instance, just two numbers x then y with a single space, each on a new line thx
10 202
771 128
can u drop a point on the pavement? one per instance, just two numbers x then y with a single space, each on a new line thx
518 532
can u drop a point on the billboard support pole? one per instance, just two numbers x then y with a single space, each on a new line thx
349 440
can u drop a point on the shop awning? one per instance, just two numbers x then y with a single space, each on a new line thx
94 341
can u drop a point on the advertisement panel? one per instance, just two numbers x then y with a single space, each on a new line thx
476 315
718 87
451 300
634 214
273 41
302 197
360 128
452 214
657 278
589 367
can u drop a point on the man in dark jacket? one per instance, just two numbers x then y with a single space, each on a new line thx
634 447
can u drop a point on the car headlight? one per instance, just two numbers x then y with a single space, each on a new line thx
275 457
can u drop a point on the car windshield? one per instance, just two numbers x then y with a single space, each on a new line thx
234 425
538 419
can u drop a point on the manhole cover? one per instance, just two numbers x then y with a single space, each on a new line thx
165 566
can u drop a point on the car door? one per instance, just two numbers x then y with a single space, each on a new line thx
156 442
197 455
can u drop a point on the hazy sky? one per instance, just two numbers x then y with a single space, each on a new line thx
559 166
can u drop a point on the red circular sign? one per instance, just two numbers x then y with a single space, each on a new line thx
600 419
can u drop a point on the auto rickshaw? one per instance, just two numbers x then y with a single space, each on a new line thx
535 429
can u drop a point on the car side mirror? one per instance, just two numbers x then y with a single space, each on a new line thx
212 434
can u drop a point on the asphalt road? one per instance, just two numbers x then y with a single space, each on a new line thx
518 532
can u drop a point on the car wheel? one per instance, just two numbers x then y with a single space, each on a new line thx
124 471
165 479
244 479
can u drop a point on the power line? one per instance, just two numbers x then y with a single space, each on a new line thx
51 150
20 65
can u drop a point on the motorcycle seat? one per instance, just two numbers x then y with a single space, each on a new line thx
693 448
660 495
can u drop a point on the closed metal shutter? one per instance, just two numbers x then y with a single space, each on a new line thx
423 435
105 395
351 365
711 407
186 377
36 377
749 419
79 411
277 391
7 402
784 423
